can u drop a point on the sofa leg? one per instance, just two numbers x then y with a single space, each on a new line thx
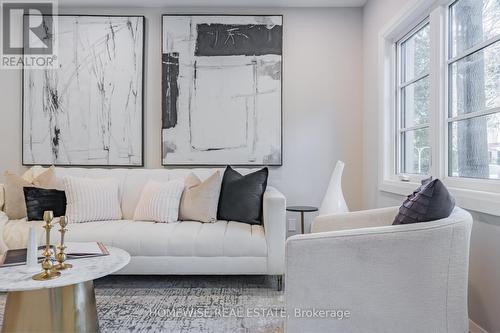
280 282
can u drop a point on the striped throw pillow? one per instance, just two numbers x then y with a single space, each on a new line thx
159 201
90 199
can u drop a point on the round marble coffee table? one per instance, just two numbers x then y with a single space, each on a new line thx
64 304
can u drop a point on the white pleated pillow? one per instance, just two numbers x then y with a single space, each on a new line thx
159 201
89 199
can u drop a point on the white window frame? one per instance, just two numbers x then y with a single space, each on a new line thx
481 195
400 129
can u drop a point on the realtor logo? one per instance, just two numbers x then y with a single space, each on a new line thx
27 37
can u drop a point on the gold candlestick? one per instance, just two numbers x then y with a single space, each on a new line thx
47 265
61 256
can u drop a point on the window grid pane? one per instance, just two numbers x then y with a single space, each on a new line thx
414 151
474 82
475 147
415 103
472 22
415 55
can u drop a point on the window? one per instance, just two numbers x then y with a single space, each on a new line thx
440 100
474 89
413 101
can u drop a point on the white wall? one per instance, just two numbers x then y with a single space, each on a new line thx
484 272
322 114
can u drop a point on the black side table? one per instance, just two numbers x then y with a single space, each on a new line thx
302 210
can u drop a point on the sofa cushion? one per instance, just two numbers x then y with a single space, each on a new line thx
132 181
187 238
32 173
159 201
90 199
38 200
200 199
15 207
241 196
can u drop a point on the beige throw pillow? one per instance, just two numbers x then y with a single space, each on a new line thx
34 172
200 199
15 207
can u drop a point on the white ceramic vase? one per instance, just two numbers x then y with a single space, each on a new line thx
333 201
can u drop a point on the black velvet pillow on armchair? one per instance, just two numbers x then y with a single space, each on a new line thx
431 201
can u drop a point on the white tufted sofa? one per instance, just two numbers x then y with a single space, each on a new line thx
187 247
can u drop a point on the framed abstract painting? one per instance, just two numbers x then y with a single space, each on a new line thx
222 89
88 111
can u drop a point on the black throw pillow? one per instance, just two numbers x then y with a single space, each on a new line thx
431 201
39 200
241 196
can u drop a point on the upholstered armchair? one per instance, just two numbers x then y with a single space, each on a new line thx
383 278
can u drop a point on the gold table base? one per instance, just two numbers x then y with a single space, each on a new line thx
65 309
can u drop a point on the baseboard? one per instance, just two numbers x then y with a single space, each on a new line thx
475 328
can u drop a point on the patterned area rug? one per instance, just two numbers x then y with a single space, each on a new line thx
201 304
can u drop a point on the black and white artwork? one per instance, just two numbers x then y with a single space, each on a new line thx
221 90
88 110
